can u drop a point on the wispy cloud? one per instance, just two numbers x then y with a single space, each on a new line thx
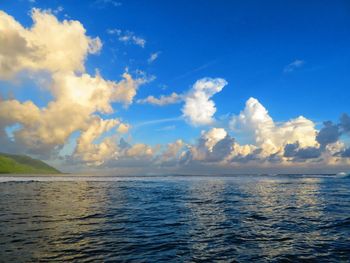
152 122
153 57
204 66
105 3
167 128
127 37
162 100
294 65
55 11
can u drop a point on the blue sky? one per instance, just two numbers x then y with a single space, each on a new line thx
292 56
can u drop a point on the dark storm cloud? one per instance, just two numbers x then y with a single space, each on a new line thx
309 153
221 149
345 123
345 153
219 152
254 156
274 158
294 151
330 133
290 149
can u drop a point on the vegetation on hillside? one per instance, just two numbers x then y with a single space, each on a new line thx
10 163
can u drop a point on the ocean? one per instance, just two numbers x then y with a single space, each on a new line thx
241 218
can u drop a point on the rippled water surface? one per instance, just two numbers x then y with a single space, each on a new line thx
175 219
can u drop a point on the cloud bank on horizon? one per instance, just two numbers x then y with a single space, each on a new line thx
54 53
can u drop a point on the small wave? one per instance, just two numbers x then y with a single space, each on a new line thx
339 224
257 217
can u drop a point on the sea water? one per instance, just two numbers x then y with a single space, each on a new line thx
246 218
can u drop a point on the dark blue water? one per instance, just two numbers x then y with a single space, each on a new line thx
176 219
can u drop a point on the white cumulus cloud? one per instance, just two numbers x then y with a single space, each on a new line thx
199 109
48 45
255 122
60 49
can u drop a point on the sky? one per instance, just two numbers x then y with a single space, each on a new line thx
159 87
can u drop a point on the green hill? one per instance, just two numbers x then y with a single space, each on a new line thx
21 164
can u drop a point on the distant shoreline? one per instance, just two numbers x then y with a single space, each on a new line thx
76 175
